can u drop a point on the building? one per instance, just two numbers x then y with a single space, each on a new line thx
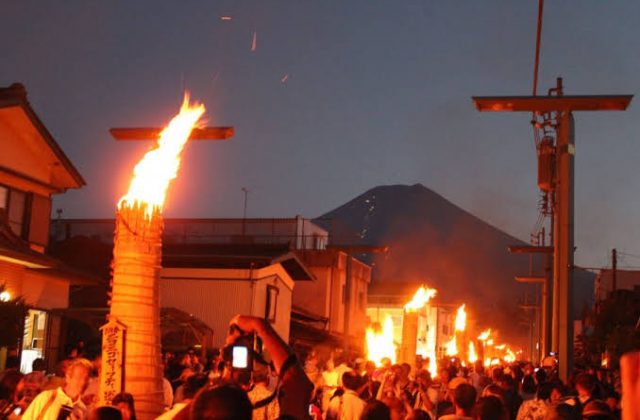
216 282
331 310
33 168
624 279
321 290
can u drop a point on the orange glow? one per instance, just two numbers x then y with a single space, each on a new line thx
159 166
452 348
380 343
461 319
509 357
484 336
490 342
422 297
473 357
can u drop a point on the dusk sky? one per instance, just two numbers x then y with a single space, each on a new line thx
374 93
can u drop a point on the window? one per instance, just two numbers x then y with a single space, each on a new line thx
13 209
271 304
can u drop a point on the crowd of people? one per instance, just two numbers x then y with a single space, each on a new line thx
335 388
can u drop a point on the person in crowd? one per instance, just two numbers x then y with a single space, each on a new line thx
416 414
376 410
464 398
179 392
421 398
181 410
12 403
52 404
369 387
558 393
260 392
490 408
585 386
397 408
528 388
536 408
104 413
347 406
512 399
57 380
124 402
221 402
597 410
90 395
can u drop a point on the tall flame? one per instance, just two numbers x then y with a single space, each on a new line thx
420 298
461 319
159 166
380 344
484 336
472 353
452 347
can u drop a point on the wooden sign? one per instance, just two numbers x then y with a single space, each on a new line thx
111 374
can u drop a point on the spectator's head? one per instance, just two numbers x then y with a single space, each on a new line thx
105 413
77 377
464 397
489 408
478 367
544 391
396 408
540 375
9 384
124 403
496 374
38 365
596 410
351 380
585 385
385 362
261 375
528 385
418 415
225 402
194 384
495 391
376 410
557 392
405 370
13 362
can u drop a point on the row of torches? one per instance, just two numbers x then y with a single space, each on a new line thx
381 344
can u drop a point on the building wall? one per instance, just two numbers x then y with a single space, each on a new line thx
216 295
39 291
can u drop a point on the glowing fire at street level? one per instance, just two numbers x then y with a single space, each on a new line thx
380 344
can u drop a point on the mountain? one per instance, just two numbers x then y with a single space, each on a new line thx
434 241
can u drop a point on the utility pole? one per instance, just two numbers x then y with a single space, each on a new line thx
562 107
614 269
244 211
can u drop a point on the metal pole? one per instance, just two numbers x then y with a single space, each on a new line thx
563 243
244 211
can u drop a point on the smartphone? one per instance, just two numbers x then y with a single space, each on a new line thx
240 357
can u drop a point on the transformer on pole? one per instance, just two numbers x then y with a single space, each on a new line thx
563 152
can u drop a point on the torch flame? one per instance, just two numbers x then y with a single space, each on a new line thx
484 336
452 347
421 298
472 353
380 344
152 175
461 319
509 357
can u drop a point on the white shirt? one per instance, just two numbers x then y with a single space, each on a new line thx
47 405
349 404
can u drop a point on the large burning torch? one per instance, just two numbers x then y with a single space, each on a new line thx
137 255
408 349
